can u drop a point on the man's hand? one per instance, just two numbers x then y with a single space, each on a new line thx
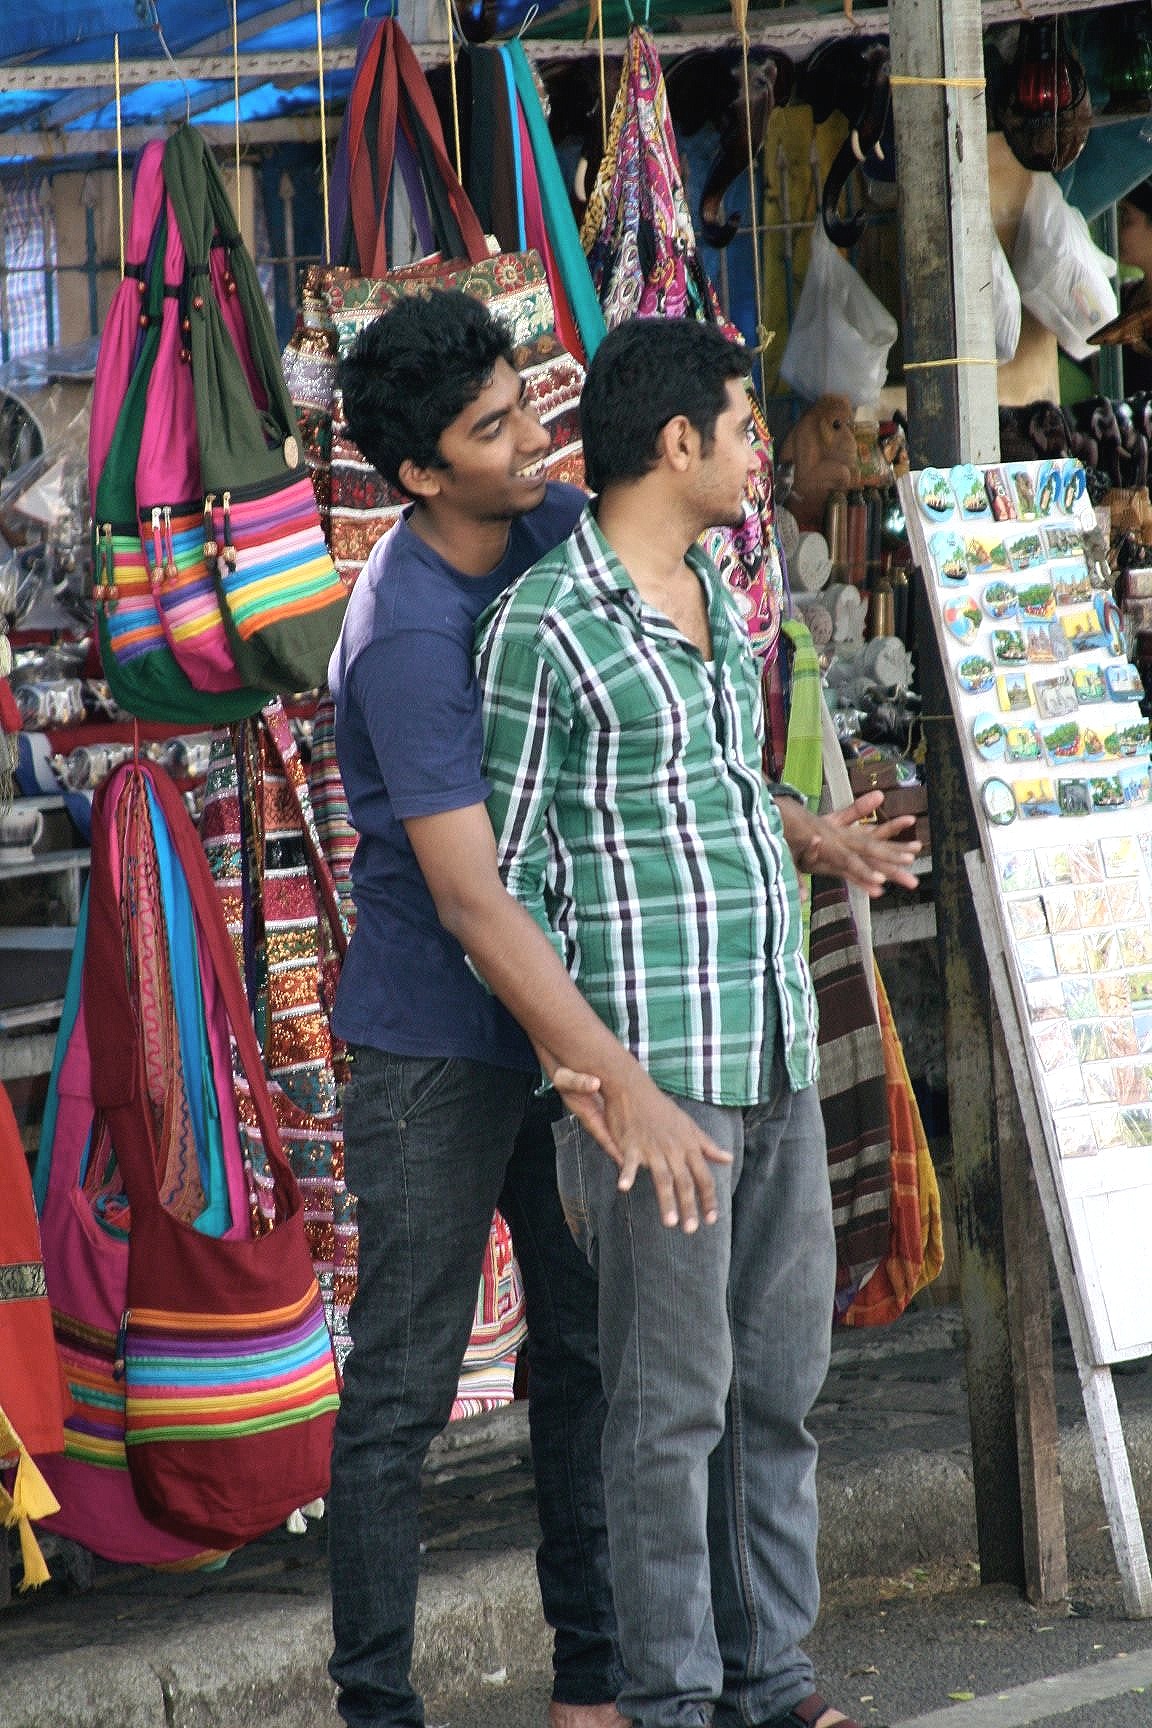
843 843
641 1128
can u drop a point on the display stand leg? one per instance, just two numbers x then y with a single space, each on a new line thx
1100 1407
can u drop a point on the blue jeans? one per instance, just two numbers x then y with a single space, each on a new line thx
431 1147
713 1349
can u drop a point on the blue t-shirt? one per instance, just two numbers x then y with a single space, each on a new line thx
409 736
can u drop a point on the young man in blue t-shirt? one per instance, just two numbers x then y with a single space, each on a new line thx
439 1117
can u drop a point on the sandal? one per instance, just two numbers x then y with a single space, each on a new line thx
808 1711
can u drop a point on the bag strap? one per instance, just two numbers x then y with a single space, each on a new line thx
115 1047
339 179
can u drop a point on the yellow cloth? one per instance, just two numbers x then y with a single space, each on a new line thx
30 1498
915 1238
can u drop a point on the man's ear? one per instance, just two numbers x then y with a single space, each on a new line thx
419 482
678 443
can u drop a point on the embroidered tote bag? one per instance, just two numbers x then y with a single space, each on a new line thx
230 1381
281 599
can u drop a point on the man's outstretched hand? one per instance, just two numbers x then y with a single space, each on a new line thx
642 1128
845 844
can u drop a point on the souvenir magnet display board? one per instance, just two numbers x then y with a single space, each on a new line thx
1056 751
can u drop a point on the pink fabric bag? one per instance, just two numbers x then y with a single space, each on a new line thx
122 328
175 522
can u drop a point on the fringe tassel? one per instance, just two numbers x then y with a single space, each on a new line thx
30 1498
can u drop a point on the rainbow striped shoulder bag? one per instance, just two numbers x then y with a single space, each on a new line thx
230 1381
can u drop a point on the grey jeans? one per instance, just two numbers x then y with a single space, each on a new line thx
713 1348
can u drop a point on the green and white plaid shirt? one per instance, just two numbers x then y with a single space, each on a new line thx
632 820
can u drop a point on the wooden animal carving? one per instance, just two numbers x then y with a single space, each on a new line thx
822 448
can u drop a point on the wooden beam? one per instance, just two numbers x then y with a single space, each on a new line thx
60 147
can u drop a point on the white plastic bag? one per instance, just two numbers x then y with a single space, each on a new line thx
1063 277
841 333
1007 310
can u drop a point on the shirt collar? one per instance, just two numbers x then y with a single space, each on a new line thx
601 570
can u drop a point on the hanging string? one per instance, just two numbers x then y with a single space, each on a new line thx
169 56
119 148
236 110
763 337
452 83
603 77
323 132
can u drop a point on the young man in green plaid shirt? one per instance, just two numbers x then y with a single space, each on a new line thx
623 733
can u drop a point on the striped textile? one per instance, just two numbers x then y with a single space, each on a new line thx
94 1432
201 1377
186 595
133 620
853 1092
633 822
282 567
330 806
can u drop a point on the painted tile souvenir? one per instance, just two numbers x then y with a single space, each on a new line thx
1060 910
1000 495
999 600
1126 902
1071 582
1136 786
1135 945
1045 1000
1025 551
968 489
1079 998
1089 684
948 556
1084 862
1013 692
1131 1083
1036 959
1091 1044
1075 1137
1040 646
1109 1130
962 617
1113 995
1092 909
1048 489
1062 541
1036 600
935 494
985 553
1036 798
975 675
1063 741
1140 989
1111 624
1123 683
1102 950
1136 1126
1100 1084
1093 739
1019 871
1055 696
1074 485
1107 793
1055 865
1025 490
1064 1086
1120 1032
1120 855
1142 1022
1074 797
1083 630
1053 1043
1068 952
1027 916
1022 742
1008 647
1131 736
999 803
988 737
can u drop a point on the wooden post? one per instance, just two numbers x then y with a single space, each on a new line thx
946 281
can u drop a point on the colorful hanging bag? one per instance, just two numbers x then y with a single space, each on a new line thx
281 599
144 676
230 1381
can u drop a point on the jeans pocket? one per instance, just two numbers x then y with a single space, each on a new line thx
572 1182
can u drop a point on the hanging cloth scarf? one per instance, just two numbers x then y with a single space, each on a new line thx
641 250
31 1385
